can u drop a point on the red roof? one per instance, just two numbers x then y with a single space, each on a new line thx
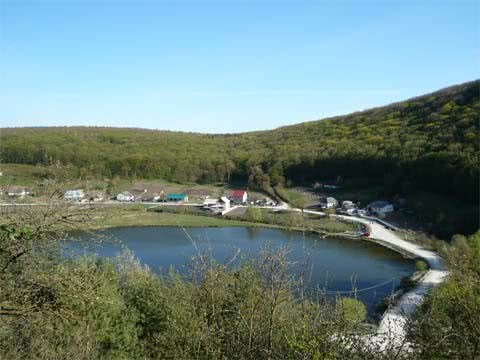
238 193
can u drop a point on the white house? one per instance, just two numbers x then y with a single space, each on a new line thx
328 203
17 191
149 196
225 202
125 196
74 194
209 202
347 204
239 196
95 196
380 207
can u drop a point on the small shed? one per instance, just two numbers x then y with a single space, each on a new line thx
328 202
125 196
77 194
380 207
177 197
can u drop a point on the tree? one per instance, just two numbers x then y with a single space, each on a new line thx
351 309
254 214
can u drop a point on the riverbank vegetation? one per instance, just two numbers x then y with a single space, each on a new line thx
428 144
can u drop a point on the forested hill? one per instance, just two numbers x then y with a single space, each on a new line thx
429 142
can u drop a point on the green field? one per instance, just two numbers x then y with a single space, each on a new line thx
138 216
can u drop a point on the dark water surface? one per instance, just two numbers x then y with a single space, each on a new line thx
334 264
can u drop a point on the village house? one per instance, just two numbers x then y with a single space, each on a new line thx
125 196
217 205
348 207
149 196
17 191
380 207
177 197
347 204
328 202
141 187
239 196
209 202
77 194
95 196
225 202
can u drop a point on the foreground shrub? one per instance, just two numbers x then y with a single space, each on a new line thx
448 323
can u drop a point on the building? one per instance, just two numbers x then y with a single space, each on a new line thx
380 207
149 196
125 196
209 202
177 197
77 194
239 196
347 204
225 202
18 191
144 187
95 196
328 202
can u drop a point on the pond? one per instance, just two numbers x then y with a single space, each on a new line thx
334 264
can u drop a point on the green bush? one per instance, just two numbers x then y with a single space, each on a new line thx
351 309
448 323
421 265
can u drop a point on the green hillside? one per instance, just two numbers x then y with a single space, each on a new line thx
429 143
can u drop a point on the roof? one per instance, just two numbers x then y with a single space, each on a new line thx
238 193
224 199
74 191
210 201
327 200
176 196
141 186
149 195
16 188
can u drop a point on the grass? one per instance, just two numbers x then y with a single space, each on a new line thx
137 216
23 175
292 196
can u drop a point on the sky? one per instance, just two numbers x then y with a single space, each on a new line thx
225 66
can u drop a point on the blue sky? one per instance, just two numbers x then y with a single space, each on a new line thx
225 66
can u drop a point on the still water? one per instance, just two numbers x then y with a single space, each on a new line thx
336 265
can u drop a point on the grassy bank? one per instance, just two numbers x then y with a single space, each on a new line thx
138 216
192 217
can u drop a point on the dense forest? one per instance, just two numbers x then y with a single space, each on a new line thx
429 143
